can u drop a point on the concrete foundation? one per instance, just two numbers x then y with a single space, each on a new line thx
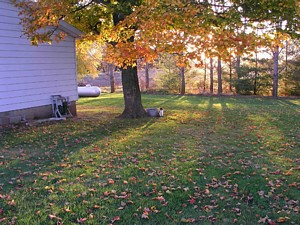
22 115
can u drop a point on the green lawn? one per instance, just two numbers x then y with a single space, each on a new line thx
208 160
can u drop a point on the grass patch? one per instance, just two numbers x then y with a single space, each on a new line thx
208 160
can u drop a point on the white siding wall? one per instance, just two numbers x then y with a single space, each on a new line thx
29 75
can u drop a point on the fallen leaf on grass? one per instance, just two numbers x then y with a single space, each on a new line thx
271 222
192 201
53 217
208 208
11 203
189 220
277 172
110 181
147 211
282 219
288 173
116 218
96 206
81 220
106 193
67 210
159 198
3 219
145 215
294 184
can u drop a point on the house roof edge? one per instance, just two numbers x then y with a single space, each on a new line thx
69 29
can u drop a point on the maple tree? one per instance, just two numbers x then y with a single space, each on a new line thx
142 29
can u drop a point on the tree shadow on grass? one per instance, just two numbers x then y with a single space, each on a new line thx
290 102
174 102
90 165
29 151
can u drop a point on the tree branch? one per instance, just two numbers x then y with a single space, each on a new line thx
82 6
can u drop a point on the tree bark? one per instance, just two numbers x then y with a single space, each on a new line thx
211 76
111 77
276 73
147 76
255 74
182 90
220 90
230 75
238 66
133 107
132 94
204 80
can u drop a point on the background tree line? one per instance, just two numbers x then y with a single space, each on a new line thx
248 75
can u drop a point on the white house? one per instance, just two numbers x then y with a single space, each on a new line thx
30 75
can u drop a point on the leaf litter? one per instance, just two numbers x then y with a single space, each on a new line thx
212 175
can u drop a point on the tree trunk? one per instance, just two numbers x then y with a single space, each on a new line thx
205 73
220 90
255 74
276 73
132 94
147 76
133 107
230 75
111 77
211 76
182 90
238 66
